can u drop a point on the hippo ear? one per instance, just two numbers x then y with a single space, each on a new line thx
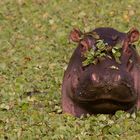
133 35
75 35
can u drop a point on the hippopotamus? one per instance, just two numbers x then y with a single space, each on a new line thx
107 86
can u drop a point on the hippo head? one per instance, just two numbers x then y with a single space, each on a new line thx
100 82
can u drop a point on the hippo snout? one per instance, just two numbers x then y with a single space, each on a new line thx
100 95
108 85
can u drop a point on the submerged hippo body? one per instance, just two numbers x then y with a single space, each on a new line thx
107 86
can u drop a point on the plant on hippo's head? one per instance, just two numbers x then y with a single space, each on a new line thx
92 56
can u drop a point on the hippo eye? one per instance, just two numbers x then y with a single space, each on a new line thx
115 38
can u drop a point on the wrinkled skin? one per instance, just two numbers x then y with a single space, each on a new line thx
101 88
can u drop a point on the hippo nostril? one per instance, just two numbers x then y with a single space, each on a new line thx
95 77
117 78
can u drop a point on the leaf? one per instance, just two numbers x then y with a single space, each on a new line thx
101 45
113 51
105 130
117 60
102 54
4 106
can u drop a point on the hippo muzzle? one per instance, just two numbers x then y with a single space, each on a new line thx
105 91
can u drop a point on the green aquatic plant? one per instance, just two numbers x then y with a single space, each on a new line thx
103 49
116 53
